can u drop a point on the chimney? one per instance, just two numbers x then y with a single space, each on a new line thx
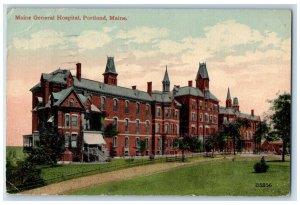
190 83
78 71
252 112
134 87
149 88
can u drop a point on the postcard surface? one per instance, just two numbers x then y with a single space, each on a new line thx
148 102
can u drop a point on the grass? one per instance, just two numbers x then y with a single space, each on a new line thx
215 178
57 173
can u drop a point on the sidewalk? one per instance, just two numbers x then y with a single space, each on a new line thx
82 182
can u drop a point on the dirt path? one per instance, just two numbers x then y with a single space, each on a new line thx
82 182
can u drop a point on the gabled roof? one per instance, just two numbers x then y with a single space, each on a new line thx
231 111
110 66
187 90
161 97
210 96
202 71
59 97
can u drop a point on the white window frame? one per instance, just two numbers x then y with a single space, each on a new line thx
115 108
103 103
115 141
67 126
74 115
73 134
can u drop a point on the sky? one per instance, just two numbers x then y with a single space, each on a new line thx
248 51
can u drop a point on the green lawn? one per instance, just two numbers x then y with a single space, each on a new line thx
219 178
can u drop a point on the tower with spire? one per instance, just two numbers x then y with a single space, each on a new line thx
228 99
166 82
110 74
202 79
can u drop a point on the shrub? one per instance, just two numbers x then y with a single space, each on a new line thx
261 166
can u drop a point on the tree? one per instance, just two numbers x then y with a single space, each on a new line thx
51 144
233 129
261 132
281 120
111 130
215 142
142 146
183 143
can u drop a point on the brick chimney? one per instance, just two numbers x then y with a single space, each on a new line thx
149 88
190 83
252 112
134 87
78 71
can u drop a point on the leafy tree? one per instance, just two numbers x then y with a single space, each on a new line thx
183 144
261 132
215 142
110 130
51 144
142 146
281 120
233 129
22 175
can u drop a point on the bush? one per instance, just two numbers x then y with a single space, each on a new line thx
261 166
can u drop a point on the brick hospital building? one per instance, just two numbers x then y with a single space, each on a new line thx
82 109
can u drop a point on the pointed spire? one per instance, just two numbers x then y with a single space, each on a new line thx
202 71
166 81
228 95
110 66
166 77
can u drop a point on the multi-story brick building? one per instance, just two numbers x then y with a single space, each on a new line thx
230 113
82 110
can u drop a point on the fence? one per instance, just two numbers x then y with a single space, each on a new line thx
130 162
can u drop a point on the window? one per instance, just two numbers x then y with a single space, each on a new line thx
177 129
102 103
74 121
137 142
158 112
71 102
147 127
201 117
137 125
74 140
115 140
205 105
115 123
157 128
176 114
171 128
200 105
210 118
147 110
159 144
127 106
67 140
215 119
147 143
126 125
193 116
193 104
115 105
137 108
166 128
67 120
206 117
126 142
167 112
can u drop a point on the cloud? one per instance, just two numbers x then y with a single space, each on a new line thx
89 40
143 34
40 39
